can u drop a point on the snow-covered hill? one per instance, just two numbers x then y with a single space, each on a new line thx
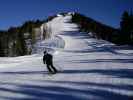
89 69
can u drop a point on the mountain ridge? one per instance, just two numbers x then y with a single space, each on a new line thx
15 41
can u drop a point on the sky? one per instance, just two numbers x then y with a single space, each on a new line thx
16 12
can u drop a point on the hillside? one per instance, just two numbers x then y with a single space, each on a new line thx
98 30
89 69
21 40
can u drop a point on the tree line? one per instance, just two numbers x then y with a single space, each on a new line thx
120 36
13 41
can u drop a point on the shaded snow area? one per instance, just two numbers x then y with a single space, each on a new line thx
89 69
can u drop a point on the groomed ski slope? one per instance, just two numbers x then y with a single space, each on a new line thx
89 69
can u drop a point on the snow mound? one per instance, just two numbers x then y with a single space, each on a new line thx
51 45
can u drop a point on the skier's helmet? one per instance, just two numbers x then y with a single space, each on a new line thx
45 52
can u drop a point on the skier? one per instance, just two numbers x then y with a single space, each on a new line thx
48 60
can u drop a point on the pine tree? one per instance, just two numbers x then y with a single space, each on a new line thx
126 26
1 50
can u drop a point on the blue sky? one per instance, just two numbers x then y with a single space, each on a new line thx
16 12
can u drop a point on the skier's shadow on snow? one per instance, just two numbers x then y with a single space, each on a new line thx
23 72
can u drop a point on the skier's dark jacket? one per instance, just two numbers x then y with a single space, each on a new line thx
47 58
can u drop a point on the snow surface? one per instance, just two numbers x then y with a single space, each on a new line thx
89 69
